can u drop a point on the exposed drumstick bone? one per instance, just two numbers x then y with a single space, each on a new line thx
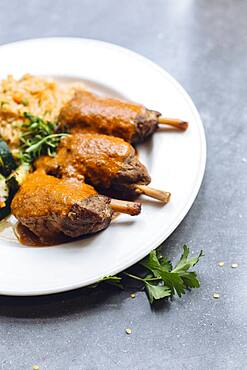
124 206
163 196
178 123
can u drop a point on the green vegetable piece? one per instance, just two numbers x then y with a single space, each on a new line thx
4 198
4 191
17 177
9 187
7 162
5 211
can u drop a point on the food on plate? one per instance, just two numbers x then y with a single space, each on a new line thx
40 96
66 152
107 162
11 177
7 162
49 207
132 122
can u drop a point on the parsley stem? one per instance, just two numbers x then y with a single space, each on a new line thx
39 143
133 276
141 279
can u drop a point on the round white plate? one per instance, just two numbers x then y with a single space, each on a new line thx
176 162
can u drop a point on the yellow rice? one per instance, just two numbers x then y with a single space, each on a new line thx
40 96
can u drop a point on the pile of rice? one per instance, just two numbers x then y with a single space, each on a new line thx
39 96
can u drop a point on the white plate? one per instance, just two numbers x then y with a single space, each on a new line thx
176 162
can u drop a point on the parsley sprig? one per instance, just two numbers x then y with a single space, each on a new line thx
38 138
158 276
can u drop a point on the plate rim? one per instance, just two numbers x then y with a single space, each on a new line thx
196 187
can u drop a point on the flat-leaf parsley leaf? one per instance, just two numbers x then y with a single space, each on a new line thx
159 278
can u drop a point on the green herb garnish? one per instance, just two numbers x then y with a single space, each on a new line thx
159 278
38 138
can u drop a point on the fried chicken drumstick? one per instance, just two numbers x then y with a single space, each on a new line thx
106 162
49 207
129 121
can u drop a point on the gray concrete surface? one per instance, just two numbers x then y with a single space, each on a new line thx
204 45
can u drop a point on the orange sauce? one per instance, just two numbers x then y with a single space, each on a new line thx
40 200
96 157
106 115
49 195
